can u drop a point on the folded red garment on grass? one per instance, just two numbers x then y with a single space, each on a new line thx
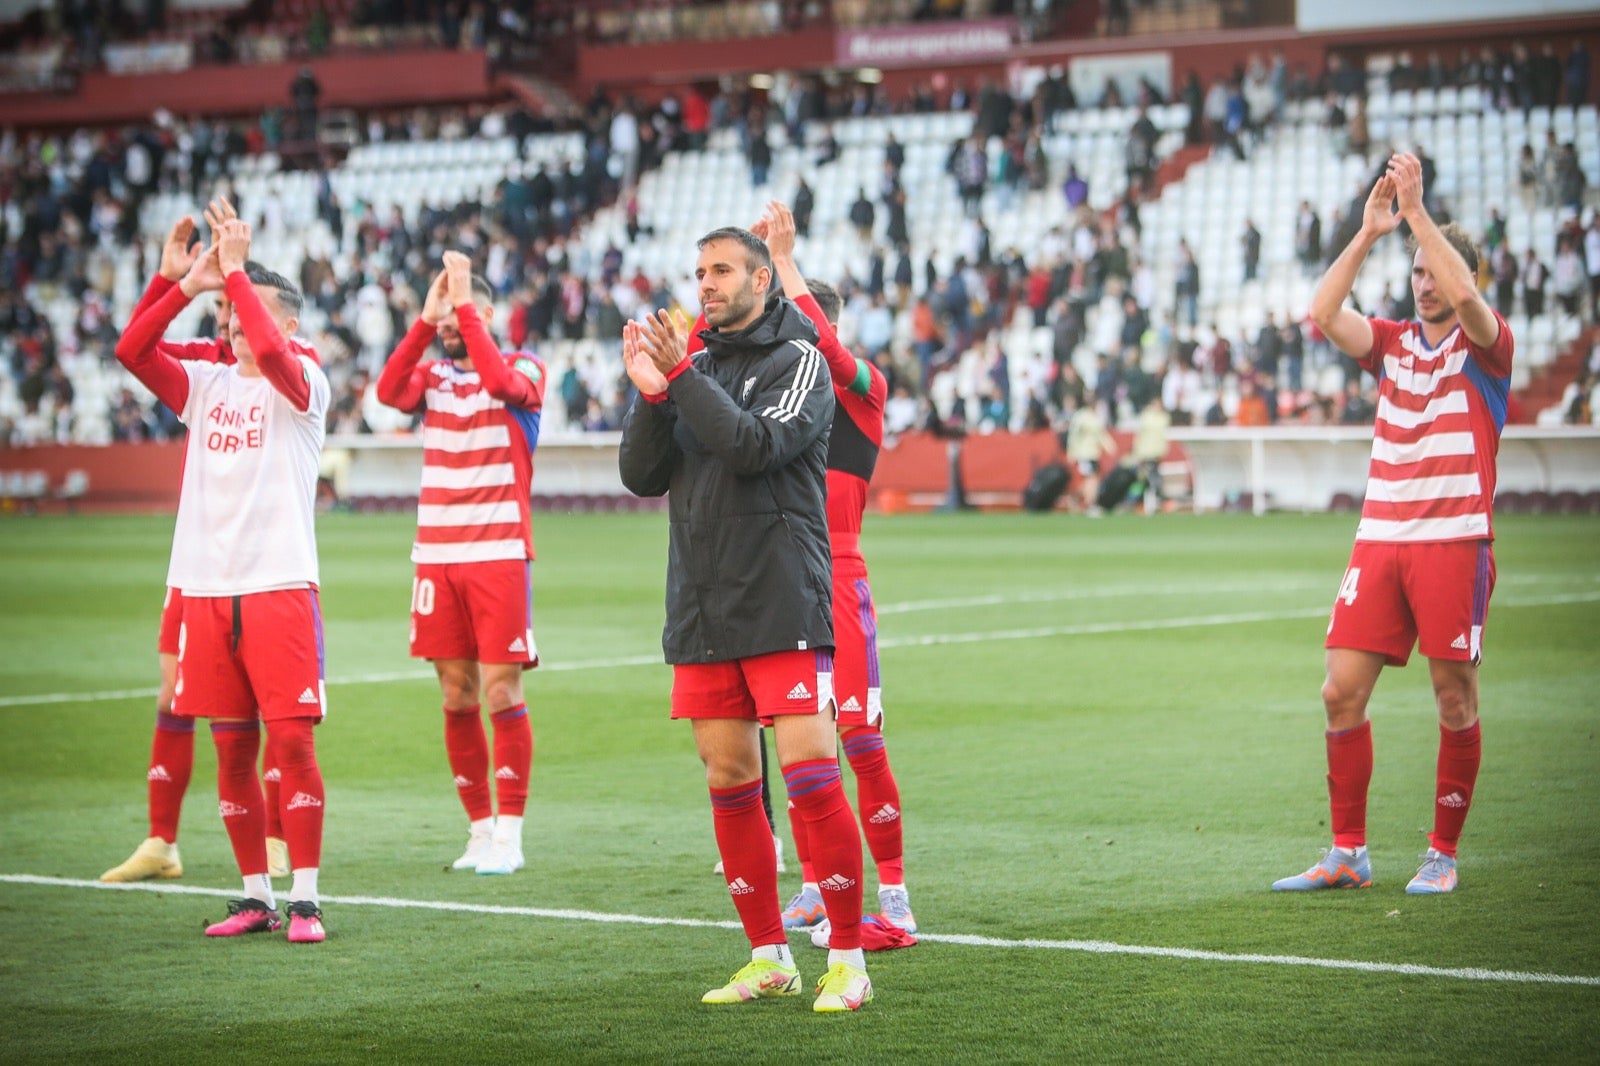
880 934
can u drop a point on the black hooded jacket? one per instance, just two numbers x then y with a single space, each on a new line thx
740 444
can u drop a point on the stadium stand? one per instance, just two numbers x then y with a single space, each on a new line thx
359 228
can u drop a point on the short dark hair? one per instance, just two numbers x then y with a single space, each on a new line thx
827 298
756 253
1459 239
481 289
287 295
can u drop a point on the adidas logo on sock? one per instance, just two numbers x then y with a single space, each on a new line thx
303 799
273 774
229 809
309 696
885 814
505 773
519 645
1460 643
799 692
851 704
463 781
739 887
1455 800
836 883
158 773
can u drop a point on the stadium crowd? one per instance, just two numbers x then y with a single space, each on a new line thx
71 204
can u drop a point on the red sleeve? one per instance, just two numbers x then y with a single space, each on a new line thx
841 364
1496 358
696 345
499 379
198 351
1384 335
158 287
403 384
278 365
137 349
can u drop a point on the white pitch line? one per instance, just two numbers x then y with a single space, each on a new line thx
1095 947
930 640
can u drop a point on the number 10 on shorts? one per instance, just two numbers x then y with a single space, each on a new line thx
422 596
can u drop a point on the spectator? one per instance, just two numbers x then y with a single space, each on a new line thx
1251 242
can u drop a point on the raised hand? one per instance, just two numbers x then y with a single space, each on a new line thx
458 278
636 361
1405 171
233 245
204 274
1379 215
664 340
436 304
780 230
176 255
217 212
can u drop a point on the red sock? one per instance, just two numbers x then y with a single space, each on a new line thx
1459 755
171 763
802 846
749 861
815 788
239 792
468 747
1349 773
271 785
878 801
513 759
302 783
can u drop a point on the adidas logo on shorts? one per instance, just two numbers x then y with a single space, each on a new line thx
739 887
309 696
158 773
303 799
799 692
519 646
1460 643
505 773
836 883
885 814
229 809
851 704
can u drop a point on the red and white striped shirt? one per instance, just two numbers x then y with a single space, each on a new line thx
479 431
1440 412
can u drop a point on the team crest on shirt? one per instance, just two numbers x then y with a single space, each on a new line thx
528 369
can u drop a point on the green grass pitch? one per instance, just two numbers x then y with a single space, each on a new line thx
1107 735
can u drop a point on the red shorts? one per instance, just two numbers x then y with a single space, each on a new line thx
171 619
856 684
477 611
249 656
1435 596
759 688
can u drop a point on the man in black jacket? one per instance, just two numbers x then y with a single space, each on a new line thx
739 435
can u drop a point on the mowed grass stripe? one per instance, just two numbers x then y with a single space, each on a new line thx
889 643
1097 947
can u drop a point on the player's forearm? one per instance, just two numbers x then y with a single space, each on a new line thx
159 286
398 385
487 360
1335 286
843 367
1450 272
137 349
268 346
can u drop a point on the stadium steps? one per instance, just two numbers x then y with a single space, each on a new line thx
1548 383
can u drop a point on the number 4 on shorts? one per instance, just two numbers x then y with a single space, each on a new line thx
1347 587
